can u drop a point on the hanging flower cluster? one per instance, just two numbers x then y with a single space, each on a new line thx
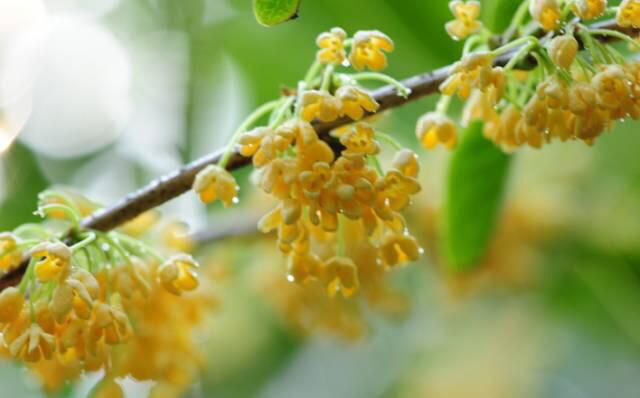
320 188
568 95
91 300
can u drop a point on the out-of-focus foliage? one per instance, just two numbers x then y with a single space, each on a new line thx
475 186
550 312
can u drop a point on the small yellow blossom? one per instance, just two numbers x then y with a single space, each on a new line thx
473 71
406 161
320 105
629 14
215 183
303 267
33 344
10 256
397 249
11 303
395 190
466 19
589 9
356 101
341 275
367 50
331 47
546 13
178 274
612 87
563 51
264 144
111 322
54 260
359 140
434 128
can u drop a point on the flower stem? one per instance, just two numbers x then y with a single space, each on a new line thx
401 89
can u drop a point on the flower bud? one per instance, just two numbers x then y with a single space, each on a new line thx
563 51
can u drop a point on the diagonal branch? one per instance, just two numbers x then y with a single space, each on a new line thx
180 181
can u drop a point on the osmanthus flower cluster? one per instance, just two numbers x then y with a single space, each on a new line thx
320 189
569 94
92 301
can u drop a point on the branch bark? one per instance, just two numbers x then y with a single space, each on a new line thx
180 181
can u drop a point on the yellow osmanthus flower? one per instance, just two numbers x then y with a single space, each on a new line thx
474 71
215 183
368 50
546 13
264 144
33 344
178 274
320 105
331 47
629 14
589 9
466 19
11 303
341 275
359 140
406 161
398 249
356 101
53 262
10 255
434 128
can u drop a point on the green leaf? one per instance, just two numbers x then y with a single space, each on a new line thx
475 187
24 181
273 12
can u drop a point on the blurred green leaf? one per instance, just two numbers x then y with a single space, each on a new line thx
497 14
25 181
474 191
273 12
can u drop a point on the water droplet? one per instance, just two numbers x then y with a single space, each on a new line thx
290 278
235 200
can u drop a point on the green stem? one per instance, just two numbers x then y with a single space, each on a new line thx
389 140
443 104
90 237
613 33
376 163
401 89
312 72
27 276
138 247
249 121
523 41
71 214
523 52
59 196
518 18
281 113
326 78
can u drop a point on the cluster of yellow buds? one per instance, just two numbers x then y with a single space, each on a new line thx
321 189
78 304
568 95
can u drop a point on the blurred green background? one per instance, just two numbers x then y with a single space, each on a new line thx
552 313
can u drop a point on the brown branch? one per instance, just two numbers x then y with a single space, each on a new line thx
178 182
